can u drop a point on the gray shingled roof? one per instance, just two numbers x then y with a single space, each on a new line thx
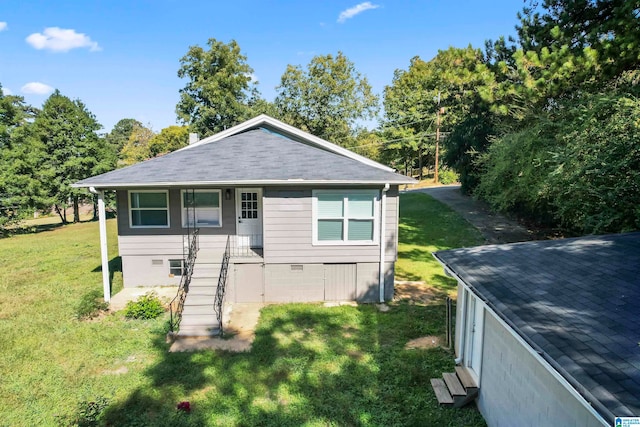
251 157
578 300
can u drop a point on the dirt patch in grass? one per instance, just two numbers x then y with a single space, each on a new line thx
430 341
417 293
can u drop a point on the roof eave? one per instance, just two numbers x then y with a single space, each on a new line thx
261 182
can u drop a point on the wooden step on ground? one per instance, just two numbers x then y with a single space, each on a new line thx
455 389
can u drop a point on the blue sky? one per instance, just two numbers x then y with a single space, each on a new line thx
121 57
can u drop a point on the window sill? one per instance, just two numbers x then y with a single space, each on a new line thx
343 243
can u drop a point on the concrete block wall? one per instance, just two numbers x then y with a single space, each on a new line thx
517 390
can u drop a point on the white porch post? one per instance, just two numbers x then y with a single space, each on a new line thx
102 218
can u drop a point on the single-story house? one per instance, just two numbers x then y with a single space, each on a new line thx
550 330
306 220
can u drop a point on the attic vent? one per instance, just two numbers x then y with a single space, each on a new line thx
156 262
297 267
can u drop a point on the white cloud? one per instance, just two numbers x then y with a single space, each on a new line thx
355 10
61 40
3 26
36 88
6 91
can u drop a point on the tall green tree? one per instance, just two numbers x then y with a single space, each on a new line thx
71 147
121 132
610 27
20 155
455 79
327 99
219 90
136 149
169 139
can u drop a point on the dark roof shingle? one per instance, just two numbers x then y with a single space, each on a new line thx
252 156
577 299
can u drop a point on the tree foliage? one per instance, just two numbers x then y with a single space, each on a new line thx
121 132
72 150
457 80
327 99
578 166
219 92
136 149
169 139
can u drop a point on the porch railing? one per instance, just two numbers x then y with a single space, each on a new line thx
246 245
177 304
218 303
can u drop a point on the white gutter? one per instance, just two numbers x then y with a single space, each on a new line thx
576 389
383 245
104 252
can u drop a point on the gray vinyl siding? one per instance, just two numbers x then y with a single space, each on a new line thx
516 389
211 246
175 216
288 231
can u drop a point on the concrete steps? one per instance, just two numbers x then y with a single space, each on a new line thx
198 317
455 389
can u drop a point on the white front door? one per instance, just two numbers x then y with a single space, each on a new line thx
249 217
475 329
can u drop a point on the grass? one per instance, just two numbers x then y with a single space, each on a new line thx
426 226
309 365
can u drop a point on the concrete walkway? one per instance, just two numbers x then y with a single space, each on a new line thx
495 228
241 322
120 300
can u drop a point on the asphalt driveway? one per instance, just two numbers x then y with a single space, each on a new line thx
495 228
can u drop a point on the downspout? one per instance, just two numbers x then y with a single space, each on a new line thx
383 209
102 218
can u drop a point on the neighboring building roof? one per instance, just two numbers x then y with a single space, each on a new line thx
577 300
268 154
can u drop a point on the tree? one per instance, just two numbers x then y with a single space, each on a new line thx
20 155
455 79
610 27
219 92
72 149
327 99
169 139
121 132
136 149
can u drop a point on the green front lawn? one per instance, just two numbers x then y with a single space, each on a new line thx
309 365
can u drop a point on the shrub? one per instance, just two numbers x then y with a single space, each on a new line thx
147 306
447 176
90 305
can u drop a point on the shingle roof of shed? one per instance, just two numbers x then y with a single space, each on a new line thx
253 157
577 299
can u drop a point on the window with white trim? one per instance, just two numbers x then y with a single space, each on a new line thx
149 208
201 208
348 217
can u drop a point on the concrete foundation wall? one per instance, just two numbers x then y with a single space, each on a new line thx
148 270
517 390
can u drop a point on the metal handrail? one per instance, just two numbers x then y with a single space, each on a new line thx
189 253
222 284
177 304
